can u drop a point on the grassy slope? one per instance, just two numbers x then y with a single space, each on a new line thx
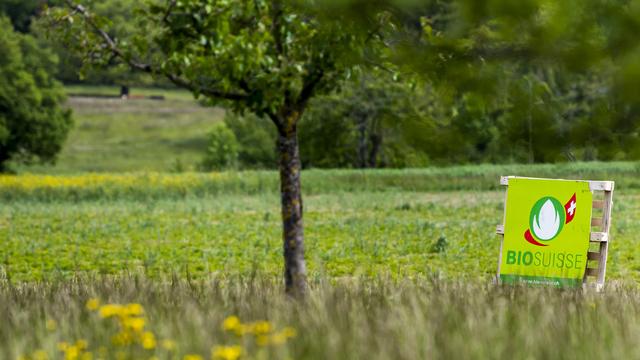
133 135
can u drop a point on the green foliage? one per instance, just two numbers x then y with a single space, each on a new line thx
120 14
33 125
364 125
21 12
255 55
222 150
256 138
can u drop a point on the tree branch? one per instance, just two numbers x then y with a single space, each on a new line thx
140 66
309 86
276 16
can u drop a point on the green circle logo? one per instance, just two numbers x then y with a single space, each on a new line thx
547 218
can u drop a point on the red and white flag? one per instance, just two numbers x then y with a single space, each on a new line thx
570 209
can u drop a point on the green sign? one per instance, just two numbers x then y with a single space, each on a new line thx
546 232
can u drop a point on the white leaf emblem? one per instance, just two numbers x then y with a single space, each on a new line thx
547 222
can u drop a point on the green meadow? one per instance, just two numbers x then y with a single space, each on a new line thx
121 251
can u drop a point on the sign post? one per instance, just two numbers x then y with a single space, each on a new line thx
548 231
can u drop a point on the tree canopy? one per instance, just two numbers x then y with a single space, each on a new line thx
33 125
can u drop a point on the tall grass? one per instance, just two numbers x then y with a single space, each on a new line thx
106 186
351 319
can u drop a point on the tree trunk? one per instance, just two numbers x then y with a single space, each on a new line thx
376 143
293 230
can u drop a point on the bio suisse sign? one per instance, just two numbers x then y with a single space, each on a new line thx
546 232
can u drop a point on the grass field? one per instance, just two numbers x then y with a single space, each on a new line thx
109 256
400 265
133 135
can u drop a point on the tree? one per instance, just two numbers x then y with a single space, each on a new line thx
266 57
21 12
365 124
33 125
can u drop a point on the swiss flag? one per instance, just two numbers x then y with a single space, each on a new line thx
570 209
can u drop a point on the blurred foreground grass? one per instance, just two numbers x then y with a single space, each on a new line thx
358 318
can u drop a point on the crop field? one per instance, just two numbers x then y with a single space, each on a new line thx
400 266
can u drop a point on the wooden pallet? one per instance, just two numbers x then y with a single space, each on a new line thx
596 267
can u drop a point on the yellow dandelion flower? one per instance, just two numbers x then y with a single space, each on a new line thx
71 353
136 324
133 309
110 310
231 323
148 340
262 327
62 346
226 352
192 357
93 304
122 338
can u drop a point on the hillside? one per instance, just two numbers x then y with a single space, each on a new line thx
111 134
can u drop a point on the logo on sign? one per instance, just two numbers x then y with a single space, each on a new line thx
547 218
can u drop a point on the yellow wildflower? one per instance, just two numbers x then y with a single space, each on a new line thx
226 352
110 310
261 327
133 310
192 357
93 304
136 324
148 340
122 338
231 323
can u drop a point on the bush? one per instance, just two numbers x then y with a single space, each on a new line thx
222 152
256 138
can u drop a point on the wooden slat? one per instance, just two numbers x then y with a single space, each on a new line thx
606 225
593 255
500 229
596 222
601 185
591 272
598 204
599 237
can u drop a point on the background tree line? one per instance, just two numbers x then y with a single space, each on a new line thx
530 113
